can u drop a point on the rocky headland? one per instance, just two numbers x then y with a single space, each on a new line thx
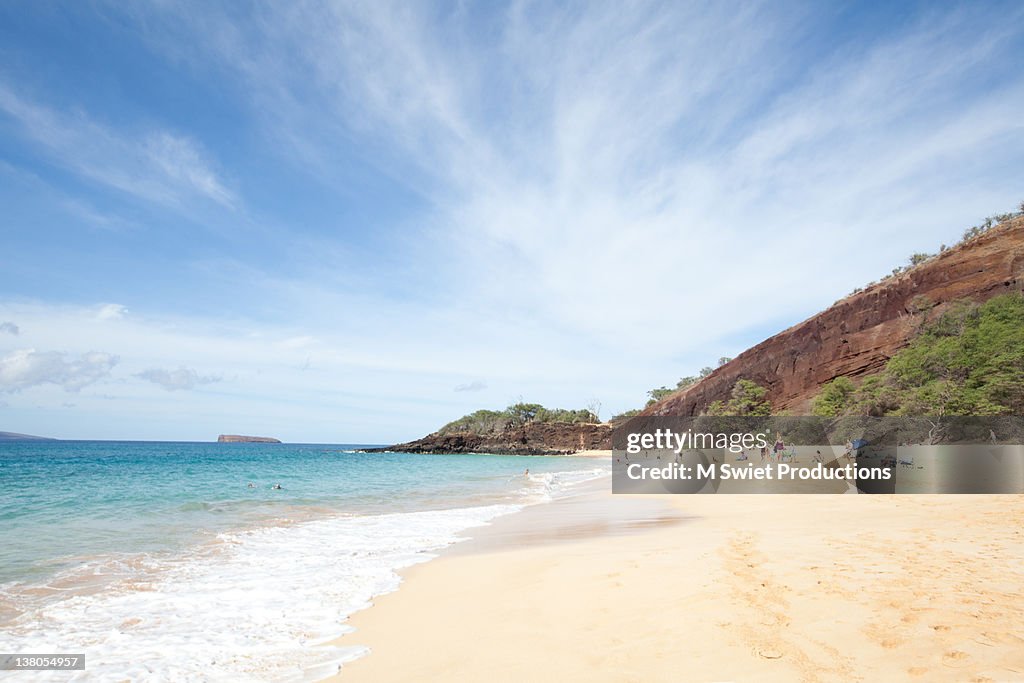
534 438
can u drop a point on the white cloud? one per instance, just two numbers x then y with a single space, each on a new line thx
26 368
175 380
367 385
183 164
155 165
615 199
298 342
592 170
9 328
111 312
476 385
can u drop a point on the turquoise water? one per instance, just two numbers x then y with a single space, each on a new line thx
124 550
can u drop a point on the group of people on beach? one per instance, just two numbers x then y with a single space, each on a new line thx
774 453
778 451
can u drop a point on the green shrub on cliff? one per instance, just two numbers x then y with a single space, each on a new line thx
968 361
835 398
746 398
478 422
582 415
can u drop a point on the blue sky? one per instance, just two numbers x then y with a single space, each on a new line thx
353 222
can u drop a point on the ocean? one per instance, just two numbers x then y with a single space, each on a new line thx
181 561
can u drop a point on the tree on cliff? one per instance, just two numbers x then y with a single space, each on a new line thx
516 415
746 398
655 395
583 415
523 413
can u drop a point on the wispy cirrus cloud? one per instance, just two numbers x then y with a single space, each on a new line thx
8 327
475 385
151 164
562 145
606 197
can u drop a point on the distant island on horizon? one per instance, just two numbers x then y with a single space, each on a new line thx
14 436
239 438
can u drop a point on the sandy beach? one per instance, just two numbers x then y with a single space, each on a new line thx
714 588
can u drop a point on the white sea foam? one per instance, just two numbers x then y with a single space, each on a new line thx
545 486
258 605
258 608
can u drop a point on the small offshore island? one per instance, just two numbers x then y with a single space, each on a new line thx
238 438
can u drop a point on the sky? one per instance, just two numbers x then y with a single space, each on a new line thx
354 222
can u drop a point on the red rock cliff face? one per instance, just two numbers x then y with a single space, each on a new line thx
858 335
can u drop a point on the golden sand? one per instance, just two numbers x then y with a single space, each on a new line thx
716 588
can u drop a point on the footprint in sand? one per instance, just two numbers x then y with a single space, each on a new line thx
955 658
769 653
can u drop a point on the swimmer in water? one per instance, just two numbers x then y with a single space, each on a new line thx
252 485
527 472
276 487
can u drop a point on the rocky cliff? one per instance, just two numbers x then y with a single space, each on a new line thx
858 335
535 438
238 438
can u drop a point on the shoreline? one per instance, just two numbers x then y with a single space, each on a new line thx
591 453
586 453
724 587
208 536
